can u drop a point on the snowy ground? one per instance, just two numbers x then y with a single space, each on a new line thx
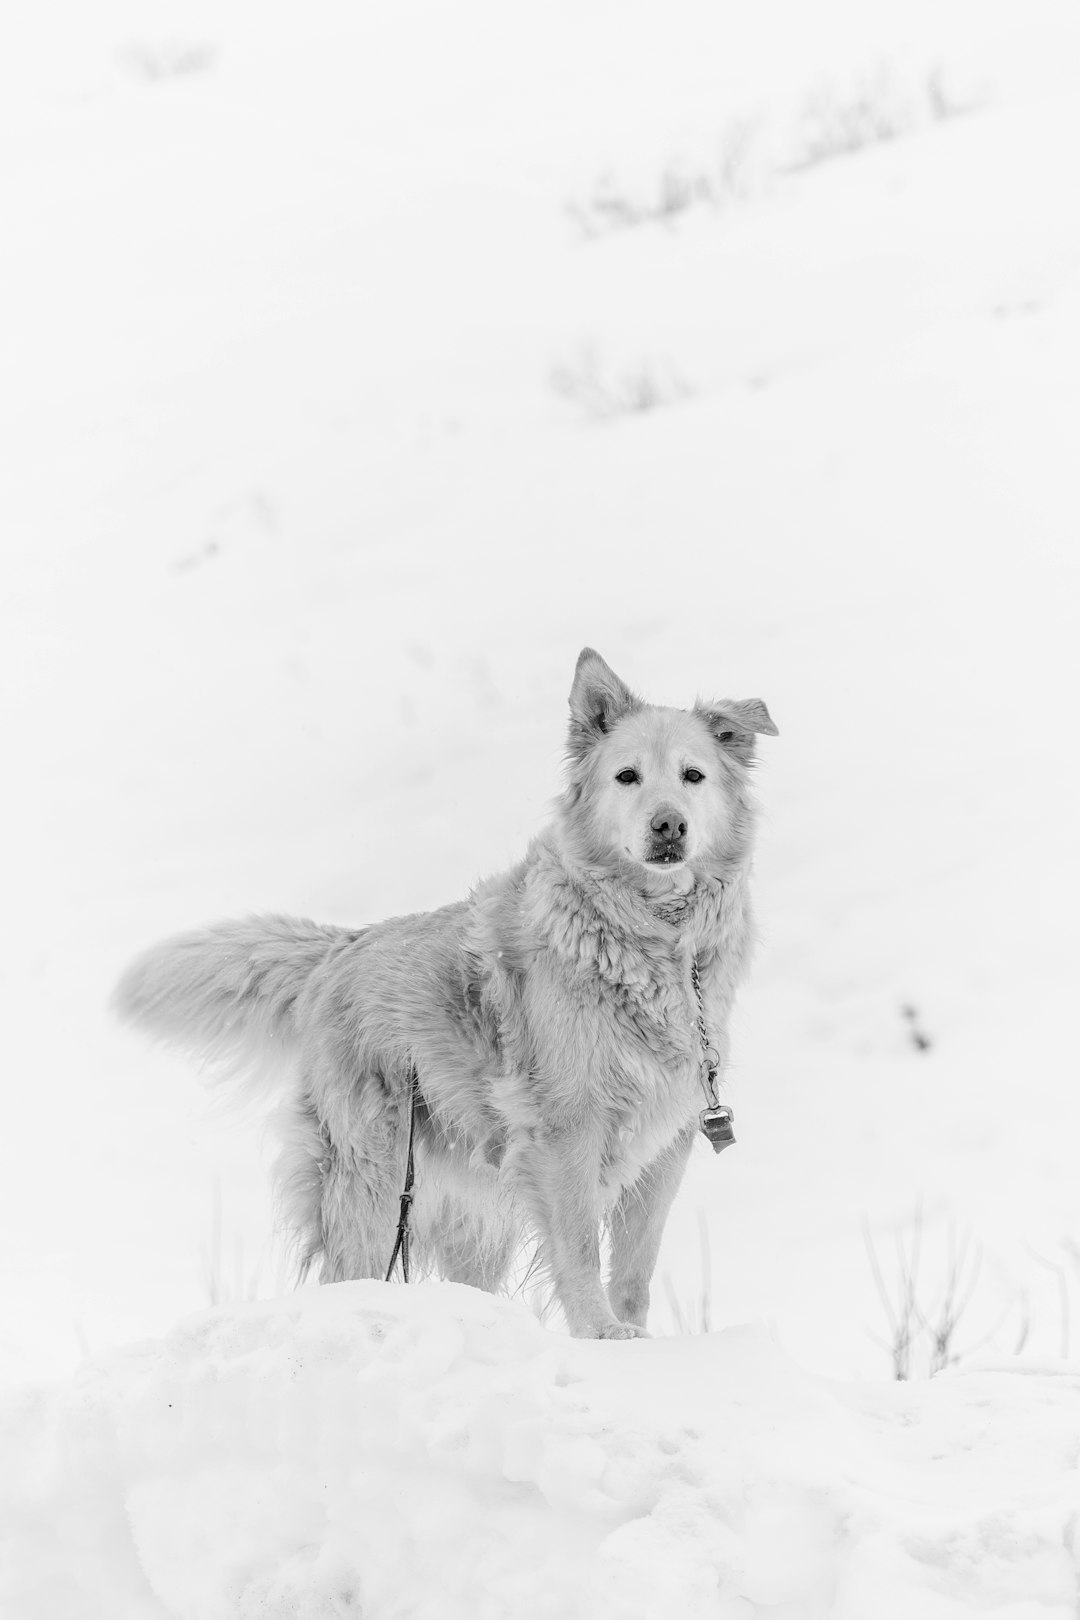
431 1452
324 353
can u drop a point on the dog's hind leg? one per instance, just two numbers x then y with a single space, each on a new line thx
359 1215
636 1224
339 1180
474 1246
298 1180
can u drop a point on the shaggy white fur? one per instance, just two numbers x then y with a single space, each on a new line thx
550 1019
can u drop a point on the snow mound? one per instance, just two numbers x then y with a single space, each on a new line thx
431 1451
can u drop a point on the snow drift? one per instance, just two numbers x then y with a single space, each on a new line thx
431 1451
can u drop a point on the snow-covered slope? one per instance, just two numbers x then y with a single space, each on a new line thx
323 455
433 1452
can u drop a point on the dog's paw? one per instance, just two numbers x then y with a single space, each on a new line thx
620 1330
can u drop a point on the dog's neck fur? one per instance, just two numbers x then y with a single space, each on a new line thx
703 914
672 908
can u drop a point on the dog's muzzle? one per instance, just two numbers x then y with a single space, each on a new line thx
667 845
667 853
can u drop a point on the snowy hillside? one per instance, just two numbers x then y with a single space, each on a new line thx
360 364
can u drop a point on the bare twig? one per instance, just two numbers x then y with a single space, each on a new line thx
1063 1294
902 1315
688 1319
243 1285
961 1281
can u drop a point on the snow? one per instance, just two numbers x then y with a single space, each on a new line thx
301 541
432 1451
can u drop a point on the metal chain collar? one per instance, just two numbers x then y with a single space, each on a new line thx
715 1120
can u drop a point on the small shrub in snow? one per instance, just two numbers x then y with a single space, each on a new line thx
923 1319
680 186
604 392
832 122
170 59
835 123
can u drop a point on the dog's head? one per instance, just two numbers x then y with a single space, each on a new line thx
665 789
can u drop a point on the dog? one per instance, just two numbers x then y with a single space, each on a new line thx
544 1039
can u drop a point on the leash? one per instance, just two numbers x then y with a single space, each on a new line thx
716 1122
401 1243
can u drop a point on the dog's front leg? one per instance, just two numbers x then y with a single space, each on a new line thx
637 1225
562 1184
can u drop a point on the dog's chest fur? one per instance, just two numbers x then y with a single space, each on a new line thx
592 1006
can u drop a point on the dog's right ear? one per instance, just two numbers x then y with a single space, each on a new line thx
598 699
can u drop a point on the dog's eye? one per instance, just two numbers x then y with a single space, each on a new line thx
693 775
627 777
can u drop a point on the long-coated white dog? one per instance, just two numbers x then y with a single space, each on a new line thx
547 1037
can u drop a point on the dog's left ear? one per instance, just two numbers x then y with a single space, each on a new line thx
735 725
598 699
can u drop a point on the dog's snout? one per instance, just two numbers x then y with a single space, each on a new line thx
668 823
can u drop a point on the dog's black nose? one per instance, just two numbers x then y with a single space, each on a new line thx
668 823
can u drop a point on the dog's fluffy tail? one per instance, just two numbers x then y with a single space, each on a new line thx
228 994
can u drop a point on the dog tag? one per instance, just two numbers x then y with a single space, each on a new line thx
717 1124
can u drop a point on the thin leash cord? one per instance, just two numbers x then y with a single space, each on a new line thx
401 1243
